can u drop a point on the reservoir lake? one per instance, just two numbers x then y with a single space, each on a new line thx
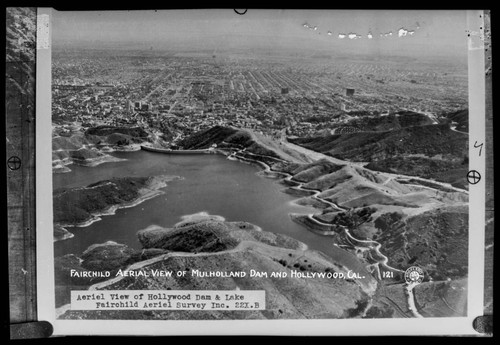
210 183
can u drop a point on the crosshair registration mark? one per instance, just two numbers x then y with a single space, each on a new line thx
473 176
14 163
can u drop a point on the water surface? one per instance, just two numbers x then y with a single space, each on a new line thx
211 183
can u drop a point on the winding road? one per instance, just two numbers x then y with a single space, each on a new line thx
370 244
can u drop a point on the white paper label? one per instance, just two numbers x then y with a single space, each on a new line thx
168 300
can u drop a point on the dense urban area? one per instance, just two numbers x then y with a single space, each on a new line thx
174 95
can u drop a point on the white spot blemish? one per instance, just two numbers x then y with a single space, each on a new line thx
402 32
329 33
370 36
341 35
353 35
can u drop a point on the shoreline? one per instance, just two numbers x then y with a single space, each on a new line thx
345 232
62 165
146 193
176 152
65 233
127 148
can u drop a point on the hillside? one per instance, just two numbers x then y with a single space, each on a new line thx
415 221
391 224
214 135
428 140
380 123
132 132
115 137
81 205
229 138
89 148
354 186
76 205
432 299
430 151
436 241
229 247
460 118
449 171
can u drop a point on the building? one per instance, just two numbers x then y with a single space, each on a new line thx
349 92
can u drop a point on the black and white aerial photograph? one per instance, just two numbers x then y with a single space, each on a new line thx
272 164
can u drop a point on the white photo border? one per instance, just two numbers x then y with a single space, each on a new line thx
322 327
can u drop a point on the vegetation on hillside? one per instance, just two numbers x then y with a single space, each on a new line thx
77 205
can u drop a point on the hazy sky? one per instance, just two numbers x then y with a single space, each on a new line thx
435 32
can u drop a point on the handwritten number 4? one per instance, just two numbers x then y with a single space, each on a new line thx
480 147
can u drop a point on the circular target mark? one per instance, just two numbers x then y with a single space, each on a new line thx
14 163
241 11
473 176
